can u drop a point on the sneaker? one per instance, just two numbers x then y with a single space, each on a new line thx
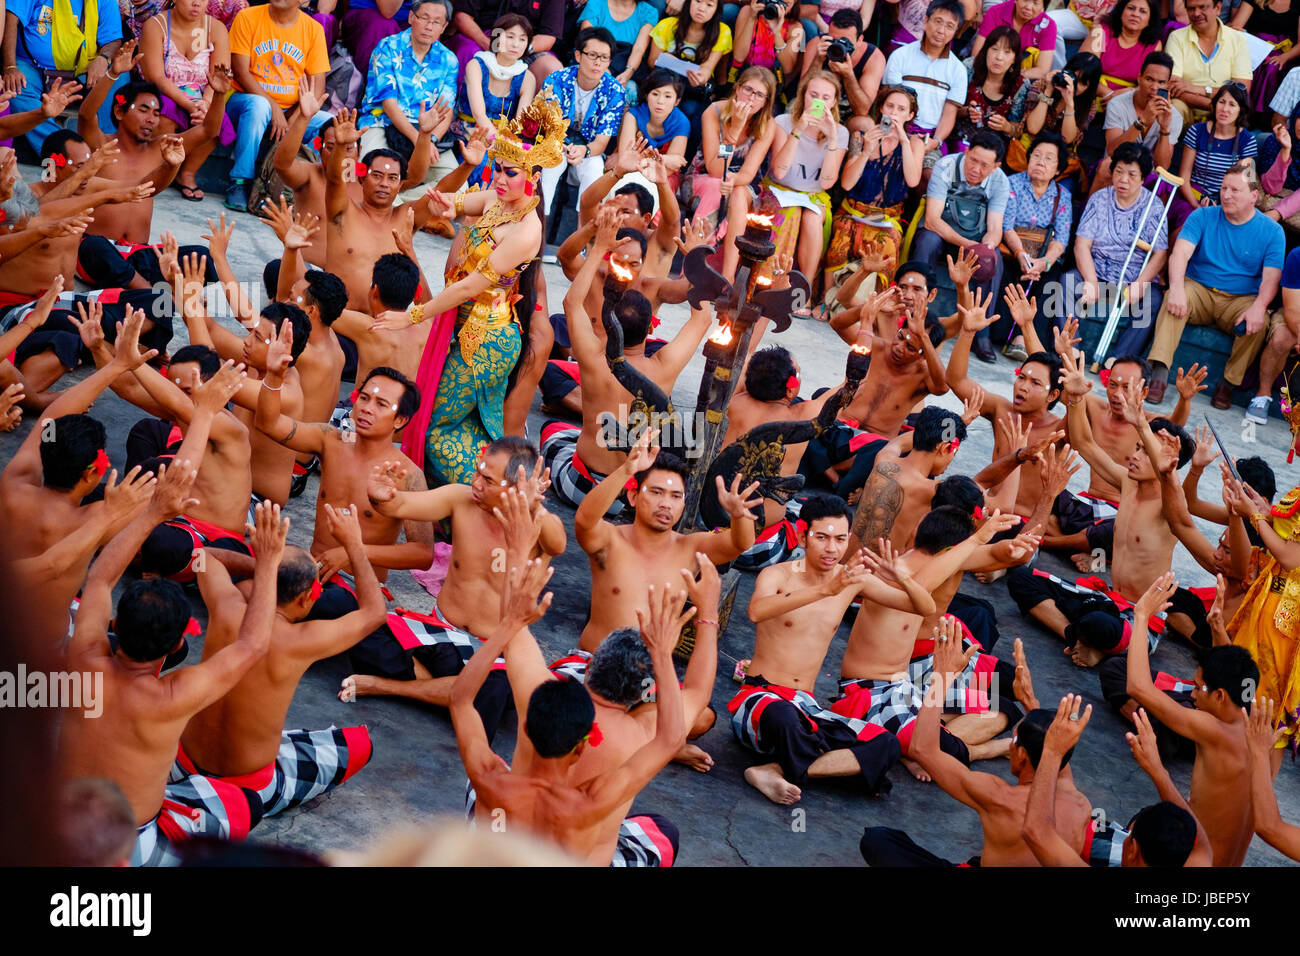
237 195
1258 410
1016 353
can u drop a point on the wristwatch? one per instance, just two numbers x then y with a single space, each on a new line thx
1209 91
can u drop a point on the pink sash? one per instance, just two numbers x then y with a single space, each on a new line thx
431 365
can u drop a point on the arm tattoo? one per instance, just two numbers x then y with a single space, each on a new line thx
881 501
292 431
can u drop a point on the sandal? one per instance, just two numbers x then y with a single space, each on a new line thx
190 193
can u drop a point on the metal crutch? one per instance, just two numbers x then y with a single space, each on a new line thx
1112 322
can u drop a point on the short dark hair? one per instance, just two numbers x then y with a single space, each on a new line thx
768 372
618 669
665 461
1256 472
69 445
943 528
959 491
847 18
277 313
396 278
645 203
560 715
126 96
1031 732
295 575
661 77
987 139
1158 58
505 22
635 235
951 6
151 618
1052 362
385 153
57 142
520 453
271 277
819 506
1052 138
633 313
599 34
1186 446
1144 367
206 358
1133 152
1149 35
1231 669
409 403
327 292
95 823
936 425
924 270
1165 834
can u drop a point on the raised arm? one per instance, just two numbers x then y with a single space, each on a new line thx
973 319
336 186
1047 845
593 532
1075 390
320 639
1147 754
1262 735
702 671
1207 450
295 172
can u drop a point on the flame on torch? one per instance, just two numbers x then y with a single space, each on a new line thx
721 335
760 221
860 349
763 280
621 272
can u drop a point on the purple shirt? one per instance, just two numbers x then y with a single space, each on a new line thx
1039 32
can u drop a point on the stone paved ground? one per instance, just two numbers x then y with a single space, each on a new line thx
416 772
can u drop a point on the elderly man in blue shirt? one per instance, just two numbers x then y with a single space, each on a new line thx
593 100
410 70
40 46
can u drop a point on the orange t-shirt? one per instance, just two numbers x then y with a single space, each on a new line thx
278 57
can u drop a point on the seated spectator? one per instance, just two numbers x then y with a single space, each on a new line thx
1035 232
775 45
629 22
136 13
859 68
368 22
1286 99
1143 115
593 102
1123 42
882 167
1210 149
965 205
273 48
1282 338
1037 34
929 67
497 83
807 153
410 71
1280 200
1068 108
1102 242
475 17
822 14
1224 271
910 23
1278 27
723 179
1075 21
702 39
658 121
177 47
997 93
225 10
1207 55
89 34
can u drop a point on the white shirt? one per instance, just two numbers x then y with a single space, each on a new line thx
935 82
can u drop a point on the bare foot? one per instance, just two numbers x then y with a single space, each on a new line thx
990 749
354 686
988 577
1084 561
916 770
768 781
695 758
1083 655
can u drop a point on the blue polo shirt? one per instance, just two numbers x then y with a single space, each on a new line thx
1232 258
37 18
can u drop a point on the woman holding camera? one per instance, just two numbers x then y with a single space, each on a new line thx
765 37
996 93
883 165
1068 108
807 152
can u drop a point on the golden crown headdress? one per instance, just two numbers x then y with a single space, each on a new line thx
536 138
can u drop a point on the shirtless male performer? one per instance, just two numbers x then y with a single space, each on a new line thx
115 254
636 205
1095 620
241 738
579 459
798 607
624 558
394 283
1000 805
134 740
543 793
1225 679
1165 834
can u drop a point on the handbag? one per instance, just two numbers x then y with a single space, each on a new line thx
966 208
1035 240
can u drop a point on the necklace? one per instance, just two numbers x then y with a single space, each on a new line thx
499 213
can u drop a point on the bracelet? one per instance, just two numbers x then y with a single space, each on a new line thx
702 622
272 388
113 77
417 313
1075 402
1256 518
460 204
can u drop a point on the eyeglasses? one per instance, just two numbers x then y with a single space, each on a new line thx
752 93
431 20
600 59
